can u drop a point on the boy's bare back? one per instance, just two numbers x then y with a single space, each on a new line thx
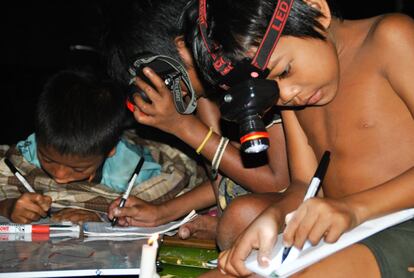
372 111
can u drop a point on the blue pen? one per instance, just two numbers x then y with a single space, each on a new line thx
313 188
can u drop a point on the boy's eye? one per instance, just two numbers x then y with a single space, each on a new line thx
79 170
45 160
284 73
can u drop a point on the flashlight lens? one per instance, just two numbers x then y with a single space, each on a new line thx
255 146
253 135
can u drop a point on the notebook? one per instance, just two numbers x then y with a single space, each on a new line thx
100 229
312 254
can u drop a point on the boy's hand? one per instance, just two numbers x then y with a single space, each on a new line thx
261 235
75 216
319 218
136 212
161 113
30 207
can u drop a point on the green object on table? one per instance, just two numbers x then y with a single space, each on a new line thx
187 256
178 271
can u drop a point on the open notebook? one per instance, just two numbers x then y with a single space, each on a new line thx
312 254
100 229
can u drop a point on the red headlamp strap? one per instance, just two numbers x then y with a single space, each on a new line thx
274 30
273 33
220 63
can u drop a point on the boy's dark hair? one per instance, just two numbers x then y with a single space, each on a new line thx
79 114
137 27
237 25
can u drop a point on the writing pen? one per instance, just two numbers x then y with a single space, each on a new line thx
11 228
21 178
313 188
129 188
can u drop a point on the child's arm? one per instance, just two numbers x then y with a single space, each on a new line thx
262 233
137 212
6 207
76 215
162 114
27 208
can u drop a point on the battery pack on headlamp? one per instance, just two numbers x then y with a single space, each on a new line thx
244 104
174 75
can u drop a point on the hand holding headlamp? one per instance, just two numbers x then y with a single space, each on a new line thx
172 72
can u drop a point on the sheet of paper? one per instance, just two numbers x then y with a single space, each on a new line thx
313 254
98 229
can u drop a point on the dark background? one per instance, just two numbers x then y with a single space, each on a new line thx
38 38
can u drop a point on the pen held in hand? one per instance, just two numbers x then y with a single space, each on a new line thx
21 178
313 188
129 188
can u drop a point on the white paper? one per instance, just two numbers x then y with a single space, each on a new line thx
312 254
99 229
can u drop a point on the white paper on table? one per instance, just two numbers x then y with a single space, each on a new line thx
99 229
312 254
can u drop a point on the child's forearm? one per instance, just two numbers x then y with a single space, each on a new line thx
6 207
391 196
198 198
256 179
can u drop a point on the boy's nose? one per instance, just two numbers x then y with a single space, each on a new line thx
61 174
288 94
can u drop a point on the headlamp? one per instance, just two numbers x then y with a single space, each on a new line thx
244 104
247 93
172 72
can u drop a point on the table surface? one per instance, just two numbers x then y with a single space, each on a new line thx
68 257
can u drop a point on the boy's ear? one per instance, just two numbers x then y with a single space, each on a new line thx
112 152
323 7
182 49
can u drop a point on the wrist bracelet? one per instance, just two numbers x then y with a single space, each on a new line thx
210 132
218 156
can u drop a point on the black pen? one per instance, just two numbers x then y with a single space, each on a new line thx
129 188
313 188
21 178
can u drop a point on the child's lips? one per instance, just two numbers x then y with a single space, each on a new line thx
314 98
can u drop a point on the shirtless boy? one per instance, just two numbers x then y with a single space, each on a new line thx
353 87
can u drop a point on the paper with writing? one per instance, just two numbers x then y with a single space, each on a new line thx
99 229
312 254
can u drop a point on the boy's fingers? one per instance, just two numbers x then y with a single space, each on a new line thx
31 202
266 243
289 216
304 229
237 256
112 206
184 232
145 109
291 227
151 89
318 231
45 203
126 211
157 81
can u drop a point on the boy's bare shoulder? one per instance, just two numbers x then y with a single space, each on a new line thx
392 30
